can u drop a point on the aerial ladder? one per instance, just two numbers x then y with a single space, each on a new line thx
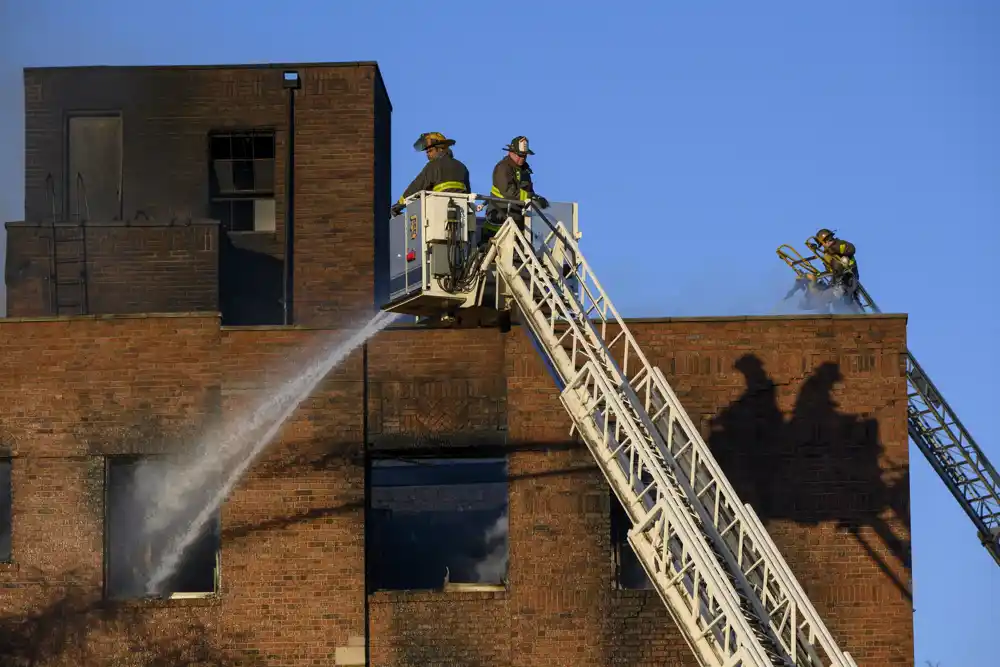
932 424
721 577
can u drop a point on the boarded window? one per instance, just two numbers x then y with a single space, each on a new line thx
241 180
134 549
6 510
629 572
94 175
438 519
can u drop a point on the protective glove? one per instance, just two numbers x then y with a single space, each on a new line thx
541 201
396 209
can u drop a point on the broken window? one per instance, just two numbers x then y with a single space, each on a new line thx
6 511
241 180
139 536
438 522
630 575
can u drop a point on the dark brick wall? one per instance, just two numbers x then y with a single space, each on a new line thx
293 530
342 112
85 388
145 268
383 191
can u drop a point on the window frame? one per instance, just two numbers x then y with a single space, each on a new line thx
109 461
620 524
217 198
376 458
6 460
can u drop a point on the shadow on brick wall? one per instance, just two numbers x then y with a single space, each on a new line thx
74 626
819 467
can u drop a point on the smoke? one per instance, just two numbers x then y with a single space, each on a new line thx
728 292
493 568
736 294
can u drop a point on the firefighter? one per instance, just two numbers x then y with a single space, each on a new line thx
839 256
511 180
442 173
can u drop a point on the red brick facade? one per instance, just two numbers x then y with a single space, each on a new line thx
293 552
806 415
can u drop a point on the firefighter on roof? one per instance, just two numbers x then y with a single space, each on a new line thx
511 180
840 258
442 173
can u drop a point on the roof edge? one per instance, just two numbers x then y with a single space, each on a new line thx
125 316
352 63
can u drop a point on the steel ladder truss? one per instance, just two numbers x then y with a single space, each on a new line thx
719 574
933 426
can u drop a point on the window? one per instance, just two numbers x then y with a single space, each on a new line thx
438 523
629 572
136 492
241 180
6 511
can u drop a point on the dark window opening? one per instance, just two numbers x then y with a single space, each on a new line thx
436 522
6 511
629 573
241 180
133 550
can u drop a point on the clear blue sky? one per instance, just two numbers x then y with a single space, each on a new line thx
697 137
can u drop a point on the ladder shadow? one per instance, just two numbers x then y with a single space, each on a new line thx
817 467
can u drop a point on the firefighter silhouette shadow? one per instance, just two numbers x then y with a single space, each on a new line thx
819 467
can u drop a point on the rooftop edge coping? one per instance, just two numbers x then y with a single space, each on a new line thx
231 66
406 326
142 222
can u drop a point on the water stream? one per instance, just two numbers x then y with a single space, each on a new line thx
205 479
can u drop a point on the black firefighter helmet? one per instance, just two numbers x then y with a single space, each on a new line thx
519 145
429 140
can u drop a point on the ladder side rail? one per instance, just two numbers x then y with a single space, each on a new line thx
82 192
746 536
587 392
54 253
959 461
699 598
635 363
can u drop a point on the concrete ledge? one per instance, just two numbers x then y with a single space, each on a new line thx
704 318
353 656
252 66
135 222
133 316
416 327
765 318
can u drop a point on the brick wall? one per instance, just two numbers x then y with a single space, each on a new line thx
807 417
342 115
293 530
142 268
293 554
84 388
